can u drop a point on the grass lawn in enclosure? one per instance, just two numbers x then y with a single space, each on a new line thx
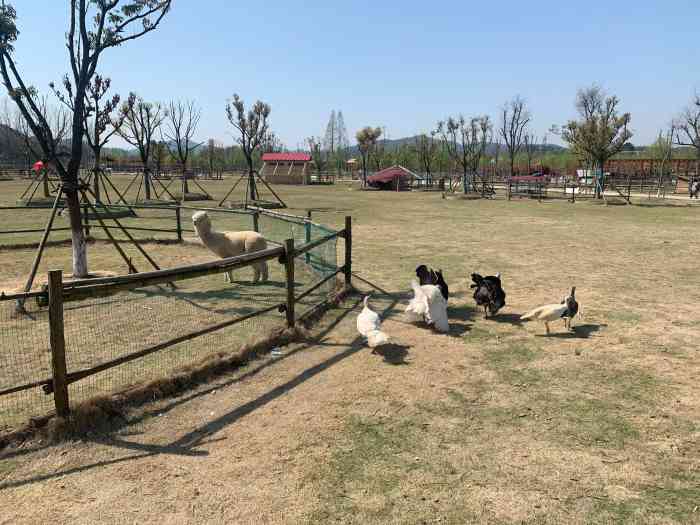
493 423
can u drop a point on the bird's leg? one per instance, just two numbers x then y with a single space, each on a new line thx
486 312
546 327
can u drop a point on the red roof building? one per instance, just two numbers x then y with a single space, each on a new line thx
286 157
286 168
395 178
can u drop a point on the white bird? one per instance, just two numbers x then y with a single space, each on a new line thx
369 326
430 305
417 309
565 310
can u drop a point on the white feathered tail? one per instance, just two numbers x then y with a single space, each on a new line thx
369 324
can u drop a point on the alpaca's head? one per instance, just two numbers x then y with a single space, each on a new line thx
201 221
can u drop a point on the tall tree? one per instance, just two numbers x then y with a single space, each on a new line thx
530 147
466 142
688 129
514 120
94 27
662 151
181 121
98 121
342 141
159 153
331 136
253 127
318 154
140 122
366 141
600 133
426 149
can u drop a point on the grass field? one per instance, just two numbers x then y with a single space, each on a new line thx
493 423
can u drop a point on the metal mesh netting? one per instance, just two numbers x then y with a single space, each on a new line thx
25 358
98 331
101 330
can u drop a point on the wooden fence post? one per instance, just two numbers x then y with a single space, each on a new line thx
178 221
348 252
58 343
307 232
289 268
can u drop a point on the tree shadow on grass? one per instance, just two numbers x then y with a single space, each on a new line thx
582 331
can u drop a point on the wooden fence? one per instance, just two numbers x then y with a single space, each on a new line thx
59 292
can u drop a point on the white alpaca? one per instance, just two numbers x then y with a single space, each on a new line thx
231 244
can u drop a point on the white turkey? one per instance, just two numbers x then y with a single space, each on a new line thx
369 325
429 305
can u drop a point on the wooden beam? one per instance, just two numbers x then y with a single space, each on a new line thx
58 343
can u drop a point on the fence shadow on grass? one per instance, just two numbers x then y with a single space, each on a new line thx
188 444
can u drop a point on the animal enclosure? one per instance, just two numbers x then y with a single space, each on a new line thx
119 331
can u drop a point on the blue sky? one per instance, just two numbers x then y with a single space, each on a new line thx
400 65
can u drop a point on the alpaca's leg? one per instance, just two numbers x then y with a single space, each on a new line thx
227 277
230 276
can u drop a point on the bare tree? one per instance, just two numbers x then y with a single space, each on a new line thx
366 141
318 154
600 133
331 136
94 27
159 153
515 118
426 149
140 122
253 127
181 121
380 153
530 146
466 142
688 129
662 151
271 143
59 122
98 122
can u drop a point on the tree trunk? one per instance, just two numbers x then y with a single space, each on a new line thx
147 183
252 185
185 184
80 265
598 178
364 171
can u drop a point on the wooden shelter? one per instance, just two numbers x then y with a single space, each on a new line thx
286 168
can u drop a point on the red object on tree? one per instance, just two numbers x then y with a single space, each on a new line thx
38 166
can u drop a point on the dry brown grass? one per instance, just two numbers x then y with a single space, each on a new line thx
490 424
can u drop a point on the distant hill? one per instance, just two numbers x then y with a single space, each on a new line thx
394 144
